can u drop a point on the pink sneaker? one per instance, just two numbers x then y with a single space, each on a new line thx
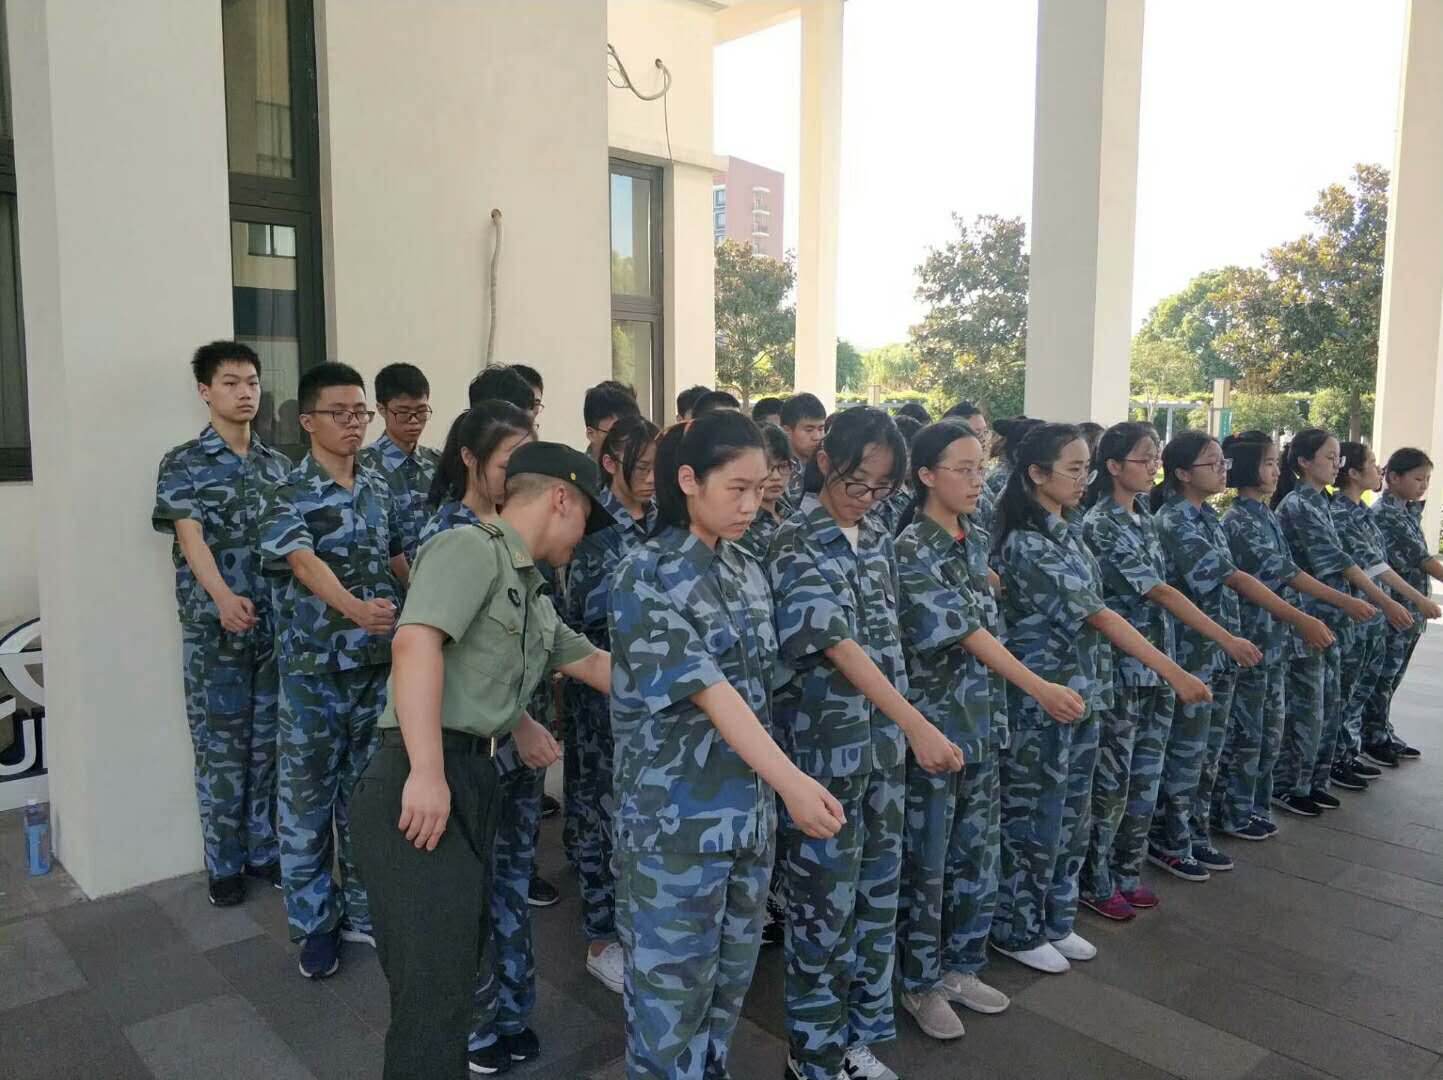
1142 897
1114 907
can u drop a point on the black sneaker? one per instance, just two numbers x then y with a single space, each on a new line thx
1187 869
550 807
1297 804
1363 769
1381 754
270 871
490 1060
321 954
542 893
522 1047
1324 799
1266 824
1404 751
774 930
1211 858
227 891
1253 830
1344 777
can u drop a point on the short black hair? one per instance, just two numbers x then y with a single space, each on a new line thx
608 398
767 406
322 377
209 357
687 399
917 411
713 400
776 443
909 426
401 380
801 407
498 382
531 375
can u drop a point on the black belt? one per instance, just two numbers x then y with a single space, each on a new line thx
456 742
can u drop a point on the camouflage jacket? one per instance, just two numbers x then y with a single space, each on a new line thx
1199 562
205 480
796 481
1404 544
351 532
757 540
1361 538
593 568
1259 548
1306 516
684 617
409 477
888 513
1133 564
826 594
448 515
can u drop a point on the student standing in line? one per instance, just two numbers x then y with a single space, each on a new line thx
687 399
1314 694
804 420
845 720
1398 513
888 513
538 390
328 530
628 461
1008 435
767 410
208 496
950 843
1058 626
775 508
984 516
1242 795
695 661
1134 730
500 382
603 404
404 397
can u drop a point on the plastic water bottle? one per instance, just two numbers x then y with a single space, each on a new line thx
37 837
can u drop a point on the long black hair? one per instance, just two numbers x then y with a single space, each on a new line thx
1405 459
1178 454
1352 457
706 443
625 442
927 449
1008 435
1116 443
1017 507
1246 450
846 443
480 429
1304 445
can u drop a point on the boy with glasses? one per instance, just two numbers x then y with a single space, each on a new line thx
404 396
329 533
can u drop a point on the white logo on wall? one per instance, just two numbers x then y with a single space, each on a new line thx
22 666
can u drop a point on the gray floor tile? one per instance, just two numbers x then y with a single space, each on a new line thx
35 964
1392 888
1162 1037
1277 1067
1295 861
362 985
186 902
221 1036
1408 861
64 1037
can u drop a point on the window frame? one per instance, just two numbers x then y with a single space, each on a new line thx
16 463
648 309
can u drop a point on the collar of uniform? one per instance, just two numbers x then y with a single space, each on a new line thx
313 473
1190 509
1056 527
612 505
211 442
1249 505
520 557
934 536
824 527
1308 493
392 455
1117 510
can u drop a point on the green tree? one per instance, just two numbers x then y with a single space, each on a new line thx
972 340
1329 410
1162 369
756 321
1273 413
849 366
890 366
1193 318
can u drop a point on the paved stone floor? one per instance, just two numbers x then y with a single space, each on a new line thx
1322 955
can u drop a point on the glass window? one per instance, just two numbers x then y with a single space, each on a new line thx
258 87
636 281
631 237
631 355
14 389
265 299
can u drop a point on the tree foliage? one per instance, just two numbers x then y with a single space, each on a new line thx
890 366
1192 319
850 374
1162 370
972 340
756 321
1329 410
1273 413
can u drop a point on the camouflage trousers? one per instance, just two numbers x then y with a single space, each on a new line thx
327 736
949 872
1314 713
1132 739
231 697
594 800
506 985
1046 780
1363 664
841 897
691 927
1190 768
1377 726
1255 731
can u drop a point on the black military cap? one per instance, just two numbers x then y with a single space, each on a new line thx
564 463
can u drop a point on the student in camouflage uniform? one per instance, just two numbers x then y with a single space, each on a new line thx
478 635
695 661
950 842
327 530
1058 626
1398 514
803 419
1134 730
404 396
843 719
628 460
208 497
775 508
603 404
1314 692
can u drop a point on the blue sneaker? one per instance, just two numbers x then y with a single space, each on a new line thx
1266 824
1253 830
1211 858
321 955
1187 869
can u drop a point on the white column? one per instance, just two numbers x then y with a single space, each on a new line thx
820 202
1084 209
1410 395
124 248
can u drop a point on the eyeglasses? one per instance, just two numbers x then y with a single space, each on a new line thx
1221 465
345 417
410 416
782 468
967 472
857 489
1152 460
1085 477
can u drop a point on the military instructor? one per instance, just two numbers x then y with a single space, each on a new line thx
476 636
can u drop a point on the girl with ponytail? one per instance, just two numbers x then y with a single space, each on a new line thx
1059 628
1314 693
775 507
956 669
1134 730
694 651
470 481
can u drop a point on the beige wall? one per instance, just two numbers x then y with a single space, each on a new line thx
681 33
432 114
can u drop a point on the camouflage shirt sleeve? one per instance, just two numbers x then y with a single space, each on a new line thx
1119 550
935 614
1041 569
659 645
283 528
174 494
811 617
1202 565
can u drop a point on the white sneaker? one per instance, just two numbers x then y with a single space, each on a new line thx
934 1014
1075 947
967 989
360 937
609 966
859 1064
1042 958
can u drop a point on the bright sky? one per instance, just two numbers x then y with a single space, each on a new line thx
1249 107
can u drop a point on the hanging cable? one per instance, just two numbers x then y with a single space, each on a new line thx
495 275
619 71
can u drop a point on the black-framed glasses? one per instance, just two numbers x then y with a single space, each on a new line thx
410 416
344 417
858 489
1154 460
783 468
1221 465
